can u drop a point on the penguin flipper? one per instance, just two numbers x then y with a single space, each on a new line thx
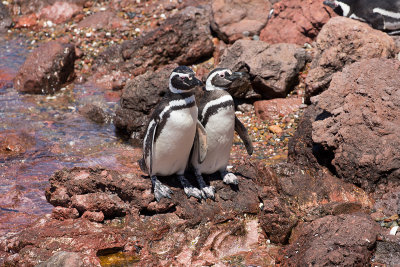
242 131
153 131
201 139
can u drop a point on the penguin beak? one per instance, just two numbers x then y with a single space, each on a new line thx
234 76
195 82
330 3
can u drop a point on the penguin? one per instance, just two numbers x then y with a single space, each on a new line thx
382 15
170 134
217 115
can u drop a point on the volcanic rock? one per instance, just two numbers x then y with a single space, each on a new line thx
5 18
232 20
274 108
102 20
295 21
273 68
343 41
46 69
183 38
59 12
360 122
343 240
138 99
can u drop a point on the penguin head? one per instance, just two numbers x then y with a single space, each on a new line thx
221 79
340 7
182 79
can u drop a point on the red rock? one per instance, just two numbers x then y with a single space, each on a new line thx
275 108
274 68
230 19
14 144
46 69
359 122
296 21
5 18
59 12
109 204
341 42
102 20
26 21
61 213
344 240
93 216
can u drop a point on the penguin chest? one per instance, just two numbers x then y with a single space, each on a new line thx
220 131
173 145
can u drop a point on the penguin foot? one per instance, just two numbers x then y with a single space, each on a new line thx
208 192
160 190
229 178
190 190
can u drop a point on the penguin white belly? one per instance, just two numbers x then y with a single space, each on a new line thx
220 130
173 145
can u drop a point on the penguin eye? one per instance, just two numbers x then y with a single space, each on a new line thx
222 75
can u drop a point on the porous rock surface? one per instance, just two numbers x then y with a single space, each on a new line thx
273 69
360 122
296 21
5 18
333 241
343 41
46 69
183 38
139 97
267 203
233 20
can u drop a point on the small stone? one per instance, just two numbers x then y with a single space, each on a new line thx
94 216
275 129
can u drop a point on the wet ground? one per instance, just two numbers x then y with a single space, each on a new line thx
47 133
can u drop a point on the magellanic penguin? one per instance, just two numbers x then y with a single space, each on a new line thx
217 115
170 134
380 14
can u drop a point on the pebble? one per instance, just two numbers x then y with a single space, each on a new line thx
275 129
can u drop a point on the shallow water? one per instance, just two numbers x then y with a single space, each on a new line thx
58 136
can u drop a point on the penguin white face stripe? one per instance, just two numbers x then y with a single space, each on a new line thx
345 8
386 13
181 75
210 86
218 101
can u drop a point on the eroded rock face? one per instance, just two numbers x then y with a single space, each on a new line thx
138 99
273 69
183 38
296 22
5 18
360 122
233 20
46 69
343 240
343 41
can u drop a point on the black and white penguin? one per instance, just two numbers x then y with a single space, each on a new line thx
170 134
380 14
217 115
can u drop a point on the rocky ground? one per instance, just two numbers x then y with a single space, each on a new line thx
320 98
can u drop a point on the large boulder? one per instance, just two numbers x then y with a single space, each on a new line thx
138 99
343 41
233 20
343 240
273 68
46 69
295 21
183 38
359 123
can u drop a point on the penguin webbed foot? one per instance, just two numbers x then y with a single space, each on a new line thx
189 189
206 191
160 190
229 178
